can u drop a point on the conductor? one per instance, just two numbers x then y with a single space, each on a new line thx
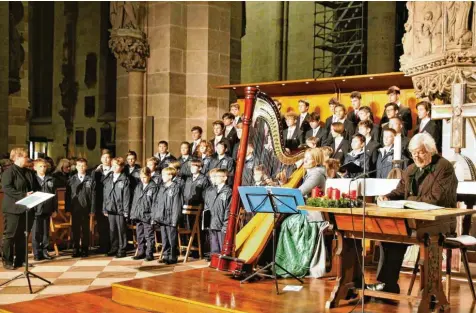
18 182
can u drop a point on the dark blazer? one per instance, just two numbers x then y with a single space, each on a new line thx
329 123
372 152
384 163
229 149
295 140
185 165
341 150
99 178
349 131
81 196
141 209
48 185
433 129
359 161
194 189
247 177
61 179
217 203
163 163
321 135
305 126
16 183
438 187
405 114
167 208
194 153
206 163
232 138
226 163
117 195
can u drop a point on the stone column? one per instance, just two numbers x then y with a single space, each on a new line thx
381 37
4 28
136 111
129 45
208 63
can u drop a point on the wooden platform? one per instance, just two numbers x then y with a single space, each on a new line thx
207 290
210 291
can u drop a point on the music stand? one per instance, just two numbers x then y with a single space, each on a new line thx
28 203
273 200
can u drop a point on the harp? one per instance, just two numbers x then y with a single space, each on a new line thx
262 126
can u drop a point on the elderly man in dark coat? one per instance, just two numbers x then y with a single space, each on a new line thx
430 179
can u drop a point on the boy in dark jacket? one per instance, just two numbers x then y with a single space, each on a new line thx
100 175
166 212
117 194
223 161
357 156
132 169
195 185
145 195
80 201
155 173
43 212
217 201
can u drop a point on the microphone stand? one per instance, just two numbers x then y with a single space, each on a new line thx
363 224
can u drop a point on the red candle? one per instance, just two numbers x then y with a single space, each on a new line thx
316 192
335 194
329 192
353 194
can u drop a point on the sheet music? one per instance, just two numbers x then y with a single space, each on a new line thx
34 199
401 204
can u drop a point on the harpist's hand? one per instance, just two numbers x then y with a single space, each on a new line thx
382 198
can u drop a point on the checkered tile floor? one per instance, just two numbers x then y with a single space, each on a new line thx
70 275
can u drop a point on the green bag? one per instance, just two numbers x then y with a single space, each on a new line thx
296 245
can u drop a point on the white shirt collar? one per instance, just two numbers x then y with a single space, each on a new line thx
367 139
315 130
221 157
144 186
219 187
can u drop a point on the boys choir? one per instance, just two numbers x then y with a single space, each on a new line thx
119 192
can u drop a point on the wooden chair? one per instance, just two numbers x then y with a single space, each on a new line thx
462 243
193 234
61 225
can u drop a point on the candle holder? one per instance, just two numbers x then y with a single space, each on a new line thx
397 164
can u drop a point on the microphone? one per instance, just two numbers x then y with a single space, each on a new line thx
363 175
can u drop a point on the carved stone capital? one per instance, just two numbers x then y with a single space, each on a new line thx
438 83
130 48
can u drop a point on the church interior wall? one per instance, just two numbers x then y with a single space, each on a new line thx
88 38
4 58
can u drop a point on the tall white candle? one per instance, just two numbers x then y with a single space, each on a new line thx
397 148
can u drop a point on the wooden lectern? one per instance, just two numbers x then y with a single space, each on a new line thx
424 228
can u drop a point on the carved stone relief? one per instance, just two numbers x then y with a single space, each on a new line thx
16 51
128 42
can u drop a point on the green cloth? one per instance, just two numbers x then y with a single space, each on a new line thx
297 241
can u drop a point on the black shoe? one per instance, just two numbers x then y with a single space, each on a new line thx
8 266
111 253
149 258
162 261
170 262
46 256
138 257
38 258
84 254
121 255
76 253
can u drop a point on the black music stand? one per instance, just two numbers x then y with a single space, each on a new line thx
276 201
28 203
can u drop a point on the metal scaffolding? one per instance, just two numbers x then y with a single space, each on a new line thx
339 38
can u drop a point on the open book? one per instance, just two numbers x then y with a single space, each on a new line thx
401 204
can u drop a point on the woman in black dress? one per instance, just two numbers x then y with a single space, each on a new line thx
17 183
